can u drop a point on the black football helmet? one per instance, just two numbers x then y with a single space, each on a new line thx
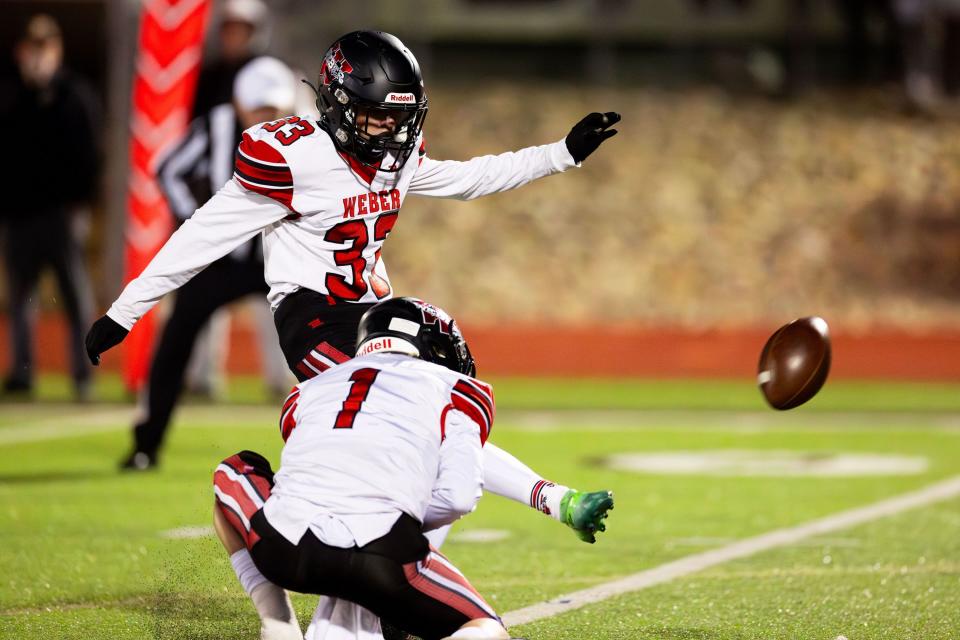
411 322
372 72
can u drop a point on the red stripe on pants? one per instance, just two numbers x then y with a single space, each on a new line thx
442 594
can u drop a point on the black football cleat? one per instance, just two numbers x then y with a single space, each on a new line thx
140 461
17 389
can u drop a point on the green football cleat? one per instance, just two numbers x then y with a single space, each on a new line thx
585 512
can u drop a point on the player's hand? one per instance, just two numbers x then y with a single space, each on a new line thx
585 512
103 335
589 133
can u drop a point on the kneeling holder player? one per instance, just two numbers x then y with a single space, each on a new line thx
378 450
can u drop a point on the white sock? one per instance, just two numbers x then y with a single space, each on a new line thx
549 498
279 630
270 601
247 572
273 603
506 476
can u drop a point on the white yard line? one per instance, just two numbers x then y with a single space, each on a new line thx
698 562
80 423
735 421
84 422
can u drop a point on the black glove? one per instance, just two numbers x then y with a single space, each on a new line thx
103 335
587 134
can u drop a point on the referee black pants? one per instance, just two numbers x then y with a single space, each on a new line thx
32 242
221 283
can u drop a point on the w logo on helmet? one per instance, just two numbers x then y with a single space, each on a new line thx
432 315
334 65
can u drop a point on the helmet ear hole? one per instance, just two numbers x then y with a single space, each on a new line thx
439 356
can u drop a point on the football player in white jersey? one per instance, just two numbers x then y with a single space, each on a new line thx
325 194
378 450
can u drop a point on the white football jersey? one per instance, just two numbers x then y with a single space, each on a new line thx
374 437
324 217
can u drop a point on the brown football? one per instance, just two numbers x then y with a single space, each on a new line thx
794 363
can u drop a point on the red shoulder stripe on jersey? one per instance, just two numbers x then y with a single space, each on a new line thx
287 421
272 167
460 403
443 421
261 178
260 168
283 196
483 397
483 386
291 397
260 171
260 151
473 402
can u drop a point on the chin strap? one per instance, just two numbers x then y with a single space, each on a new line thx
316 92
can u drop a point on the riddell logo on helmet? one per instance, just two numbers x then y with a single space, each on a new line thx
400 98
376 345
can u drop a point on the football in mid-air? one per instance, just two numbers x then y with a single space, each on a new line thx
794 363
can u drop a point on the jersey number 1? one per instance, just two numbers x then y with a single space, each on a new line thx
362 380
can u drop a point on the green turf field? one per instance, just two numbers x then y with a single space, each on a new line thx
89 554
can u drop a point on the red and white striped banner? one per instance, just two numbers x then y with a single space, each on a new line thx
168 63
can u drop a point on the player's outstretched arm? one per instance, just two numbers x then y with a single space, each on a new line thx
505 475
495 173
231 217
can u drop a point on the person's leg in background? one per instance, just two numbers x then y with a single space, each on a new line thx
950 59
23 260
276 377
219 284
916 24
66 257
208 360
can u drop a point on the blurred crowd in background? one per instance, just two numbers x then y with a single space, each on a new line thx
775 156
